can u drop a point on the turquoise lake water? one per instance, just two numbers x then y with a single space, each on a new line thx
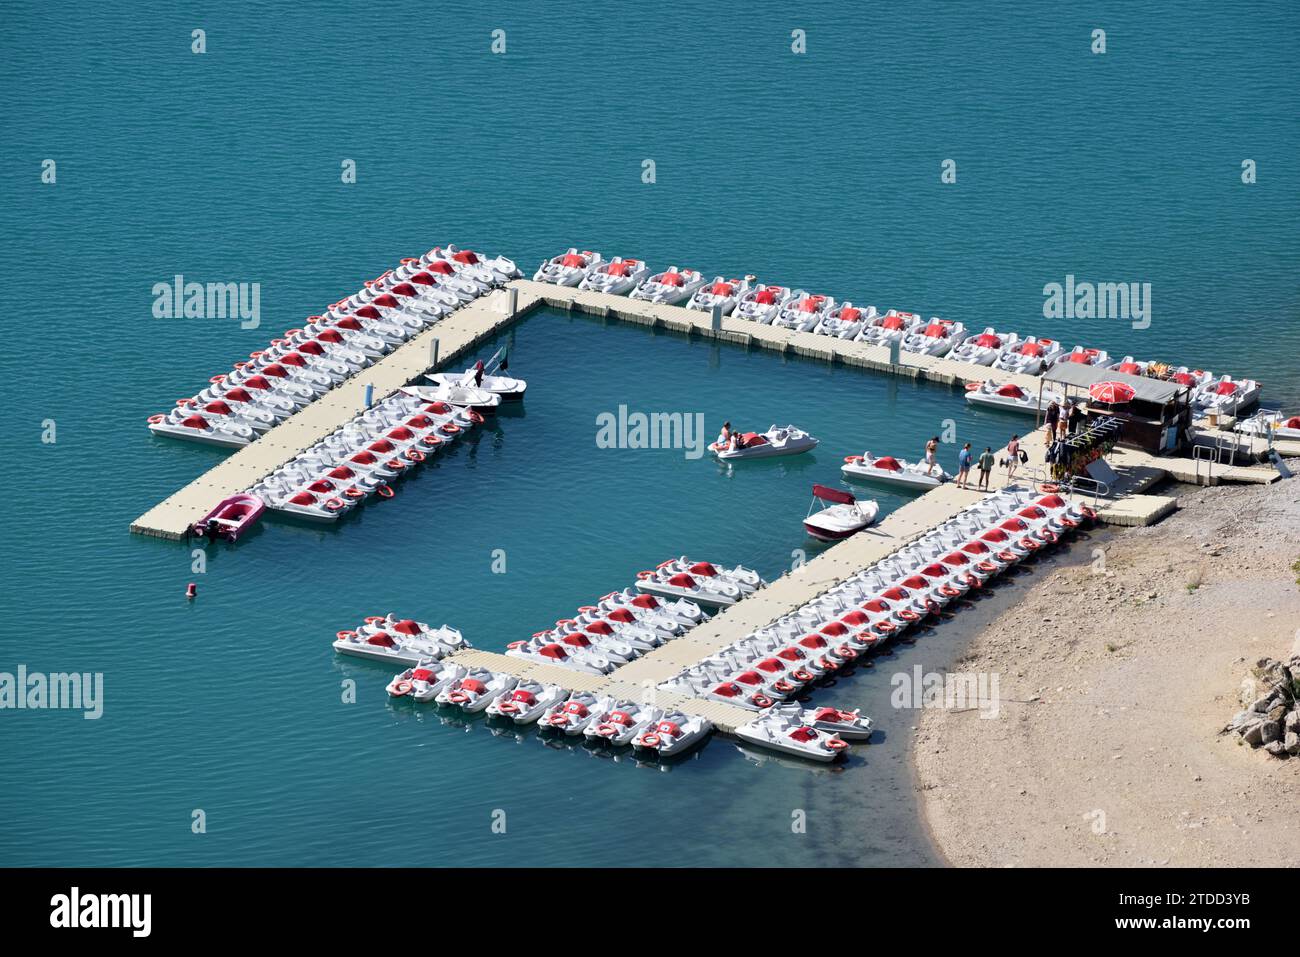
820 170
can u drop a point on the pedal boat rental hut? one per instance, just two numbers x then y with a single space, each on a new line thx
1158 419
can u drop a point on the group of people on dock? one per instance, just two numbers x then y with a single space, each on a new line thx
1059 422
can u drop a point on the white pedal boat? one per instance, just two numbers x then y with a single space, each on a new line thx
477 690
1130 366
882 330
935 339
985 348
1225 396
501 269
699 589
1084 357
383 646
572 715
527 701
424 681
845 515
616 277
789 737
1275 424
620 723
1010 396
891 471
789 440
562 656
445 638
674 733
1030 356
721 292
567 269
845 321
224 432
763 303
669 287
804 313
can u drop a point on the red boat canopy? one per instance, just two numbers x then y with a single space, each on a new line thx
765 297
466 256
704 570
314 348
573 261
891 322
618 269
442 268
553 651
423 278
835 629
387 301
722 289
833 495
1011 391
407 626
367 312
936 330
682 580
988 340
239 395
672 279
1031 349
404 289
623 615
383 639
600 628
1226 388
850 314
645 601
888 463
218 407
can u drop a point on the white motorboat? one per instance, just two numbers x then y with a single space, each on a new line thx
882 330
1084 357
616 277
461 396
674 733
422 682
936 338
763 303
845 515
669 287
1010 396
527 701
985 348
568 269
804 313
574 714
845 321
1226 396
788 440
1276 424
488 378
891 471
702 590
1030 356
225 432
723 293
780 733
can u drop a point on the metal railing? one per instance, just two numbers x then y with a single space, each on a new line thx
1211 455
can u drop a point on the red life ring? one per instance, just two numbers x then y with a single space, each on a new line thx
240 365
384 491
475 417
374 619
835 744
345 635
354 493
1047 535
853 458
402 687
588 608
1008 557
155 419
520 644
974 386
885 627
431 441
987 567
642 576
334 504
1088 513
783 686
651 740
1029 543
395 464
1048 487
803 675
507 707
255 355
451 428
187 403
907 615
458 697
217 378
607 730
559 719
666 564
932 606
415 455
948 590
845 652
762 700
290 333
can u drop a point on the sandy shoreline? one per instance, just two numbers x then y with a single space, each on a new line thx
1115 678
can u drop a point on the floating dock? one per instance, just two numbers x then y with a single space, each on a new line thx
455 334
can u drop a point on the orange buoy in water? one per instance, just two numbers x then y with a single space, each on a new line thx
191 590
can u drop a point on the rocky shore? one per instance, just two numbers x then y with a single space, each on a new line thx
1117 676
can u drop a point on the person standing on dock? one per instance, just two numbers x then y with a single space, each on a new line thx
1050 418
931 448
1013 457
963 465
1076 417
986 466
